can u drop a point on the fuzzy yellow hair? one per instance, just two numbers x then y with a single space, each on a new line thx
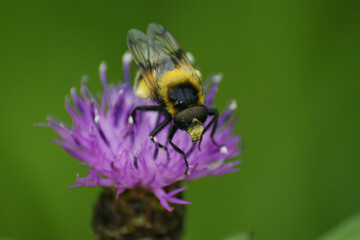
183 75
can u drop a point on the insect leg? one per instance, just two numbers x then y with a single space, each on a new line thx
211 112
132 118
157 130
170 137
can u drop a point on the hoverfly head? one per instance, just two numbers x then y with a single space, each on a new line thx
191 120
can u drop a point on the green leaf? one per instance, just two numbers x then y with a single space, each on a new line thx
347 230
241 236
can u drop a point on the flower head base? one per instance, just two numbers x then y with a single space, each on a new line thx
121 154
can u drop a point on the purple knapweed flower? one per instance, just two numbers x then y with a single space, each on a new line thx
121 154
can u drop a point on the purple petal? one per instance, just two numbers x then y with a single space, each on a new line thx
126 67
120 154
174 192
213 89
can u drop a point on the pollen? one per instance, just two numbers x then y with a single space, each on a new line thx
195 130
130 120
224 150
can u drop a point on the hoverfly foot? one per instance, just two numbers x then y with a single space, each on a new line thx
159 145
154 139
187 173
131 120
200 143
191 168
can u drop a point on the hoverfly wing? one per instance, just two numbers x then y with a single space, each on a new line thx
167 45
146 57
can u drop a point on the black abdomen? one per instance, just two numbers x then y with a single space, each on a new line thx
183 95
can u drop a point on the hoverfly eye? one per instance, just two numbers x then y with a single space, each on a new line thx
200 113
183 119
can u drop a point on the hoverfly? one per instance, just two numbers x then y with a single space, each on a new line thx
167 76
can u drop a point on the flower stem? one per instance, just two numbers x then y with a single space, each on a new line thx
136 214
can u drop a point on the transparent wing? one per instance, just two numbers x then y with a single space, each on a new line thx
166 45
146 57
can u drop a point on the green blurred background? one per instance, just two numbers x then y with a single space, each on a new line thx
292 66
